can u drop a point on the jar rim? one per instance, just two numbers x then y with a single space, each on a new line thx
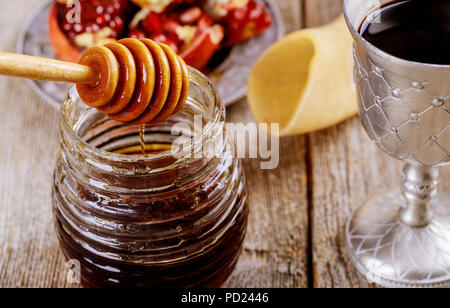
197 79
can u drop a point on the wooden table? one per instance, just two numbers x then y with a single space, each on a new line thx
298 211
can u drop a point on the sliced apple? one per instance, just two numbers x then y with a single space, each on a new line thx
199 51
59 41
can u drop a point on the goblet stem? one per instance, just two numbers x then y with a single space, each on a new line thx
420 186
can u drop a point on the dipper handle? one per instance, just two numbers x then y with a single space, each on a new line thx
37 68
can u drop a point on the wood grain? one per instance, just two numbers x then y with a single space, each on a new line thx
275 250
29 252
319 12
347 168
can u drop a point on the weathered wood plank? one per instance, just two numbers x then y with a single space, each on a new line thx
29 252
344 171
319 12
276 248
292 12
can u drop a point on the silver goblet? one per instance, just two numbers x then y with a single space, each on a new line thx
402 239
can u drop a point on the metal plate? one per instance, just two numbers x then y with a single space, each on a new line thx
230 77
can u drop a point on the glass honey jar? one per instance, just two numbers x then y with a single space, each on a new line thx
159 219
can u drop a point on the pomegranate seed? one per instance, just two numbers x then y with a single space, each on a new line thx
137 34
110 9
96 14
171 25
117 7
239 15
205 22
267 19
78 28
101 20
99 9
95 27
161 38
92 27
191 15
114 26
153 23
117 24
256 13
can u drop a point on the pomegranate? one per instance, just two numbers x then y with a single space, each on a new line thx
195 29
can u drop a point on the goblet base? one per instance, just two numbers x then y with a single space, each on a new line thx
392 254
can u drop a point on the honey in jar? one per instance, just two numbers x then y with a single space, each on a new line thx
152 219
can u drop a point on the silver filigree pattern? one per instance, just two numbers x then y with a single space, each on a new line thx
391 253
409 124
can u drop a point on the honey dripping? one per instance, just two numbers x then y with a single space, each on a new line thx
143 148
142 137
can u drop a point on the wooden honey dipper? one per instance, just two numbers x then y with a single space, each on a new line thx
132 81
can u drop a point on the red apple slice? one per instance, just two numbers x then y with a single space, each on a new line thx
201 49
59 41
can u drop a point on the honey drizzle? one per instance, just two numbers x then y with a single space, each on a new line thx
142 137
